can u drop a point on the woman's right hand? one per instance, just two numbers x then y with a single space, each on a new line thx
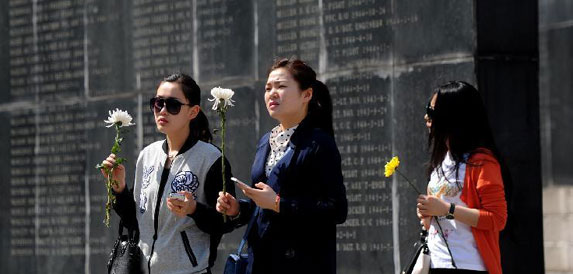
227 204
424 220
117 174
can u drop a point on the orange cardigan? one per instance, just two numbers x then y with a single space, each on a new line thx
483 190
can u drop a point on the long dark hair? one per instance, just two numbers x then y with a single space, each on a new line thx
459 120
320 106
199 126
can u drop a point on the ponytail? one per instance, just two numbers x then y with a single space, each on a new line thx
320 106
199 126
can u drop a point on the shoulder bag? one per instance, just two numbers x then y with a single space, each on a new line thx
237 262
126 256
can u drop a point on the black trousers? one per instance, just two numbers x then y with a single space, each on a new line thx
455 271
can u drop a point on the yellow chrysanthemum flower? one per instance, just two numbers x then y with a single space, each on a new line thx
391 166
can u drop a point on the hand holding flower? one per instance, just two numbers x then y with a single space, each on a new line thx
111 167
227 204
118 173
432 206
182 208
389 169
221 101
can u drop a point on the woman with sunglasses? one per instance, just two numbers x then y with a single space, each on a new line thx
297 196
177 234
465 207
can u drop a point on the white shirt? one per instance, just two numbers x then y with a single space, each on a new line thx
447 185
278 141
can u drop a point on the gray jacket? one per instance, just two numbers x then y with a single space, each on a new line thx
182 245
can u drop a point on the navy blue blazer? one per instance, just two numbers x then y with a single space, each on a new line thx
302 237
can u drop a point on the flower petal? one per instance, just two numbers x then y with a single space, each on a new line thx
119 116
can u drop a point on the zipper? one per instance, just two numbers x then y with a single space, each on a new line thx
188 249
162 183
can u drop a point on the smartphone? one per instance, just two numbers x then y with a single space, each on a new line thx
239 183
178 196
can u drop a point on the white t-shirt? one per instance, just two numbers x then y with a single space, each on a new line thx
447 185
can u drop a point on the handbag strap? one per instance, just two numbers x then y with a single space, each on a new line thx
251 222
133 234
446 241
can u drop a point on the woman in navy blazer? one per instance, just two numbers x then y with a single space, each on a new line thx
298 196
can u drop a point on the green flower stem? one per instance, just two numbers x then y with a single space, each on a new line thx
110 197
109 171
223 120
410 183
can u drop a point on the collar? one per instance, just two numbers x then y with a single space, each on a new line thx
189 143
279 138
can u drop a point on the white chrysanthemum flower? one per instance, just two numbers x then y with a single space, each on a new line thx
221 96
119 116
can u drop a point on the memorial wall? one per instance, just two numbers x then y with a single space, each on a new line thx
65 63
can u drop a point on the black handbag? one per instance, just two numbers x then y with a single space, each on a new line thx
126 256
237 263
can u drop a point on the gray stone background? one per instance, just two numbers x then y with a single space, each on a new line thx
65 63
555 101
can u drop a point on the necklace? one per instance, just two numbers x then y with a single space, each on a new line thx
172 155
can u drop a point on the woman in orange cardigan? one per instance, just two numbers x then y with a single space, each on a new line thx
465 208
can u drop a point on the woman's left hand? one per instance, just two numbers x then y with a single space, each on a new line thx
432 206
263 195
182 208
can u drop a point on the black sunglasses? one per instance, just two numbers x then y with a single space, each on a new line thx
172 104
429 111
